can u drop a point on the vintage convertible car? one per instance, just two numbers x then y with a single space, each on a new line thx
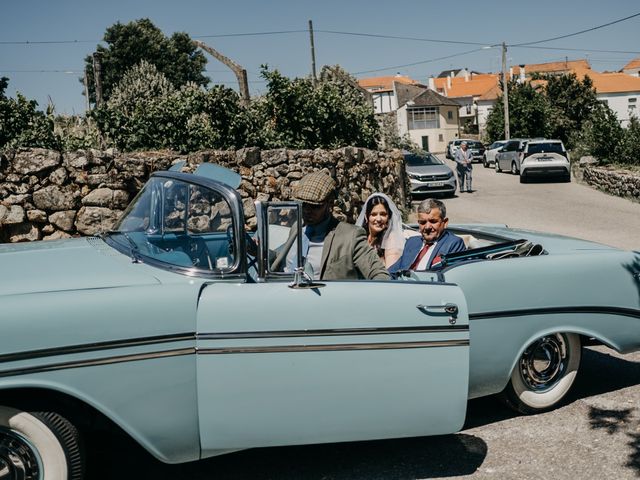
196 338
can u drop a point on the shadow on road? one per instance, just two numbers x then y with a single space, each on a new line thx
425 457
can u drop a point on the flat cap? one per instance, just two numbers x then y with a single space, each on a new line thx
314 188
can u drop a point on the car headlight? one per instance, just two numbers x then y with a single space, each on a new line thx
413 175
450 174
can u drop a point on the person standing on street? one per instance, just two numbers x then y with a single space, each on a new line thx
463 159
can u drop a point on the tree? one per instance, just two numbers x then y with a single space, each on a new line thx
22 125
128 44
571 102
146 112
528 113
601 136
297 114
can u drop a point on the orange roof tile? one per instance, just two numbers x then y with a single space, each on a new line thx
635 63
614 82
385 84
477 85
571 65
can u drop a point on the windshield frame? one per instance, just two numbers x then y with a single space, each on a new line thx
234 201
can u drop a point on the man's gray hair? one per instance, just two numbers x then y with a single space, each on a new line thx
429 204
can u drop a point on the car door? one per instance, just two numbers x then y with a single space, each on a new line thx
343 361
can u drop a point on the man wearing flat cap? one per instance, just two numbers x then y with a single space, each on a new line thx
335 250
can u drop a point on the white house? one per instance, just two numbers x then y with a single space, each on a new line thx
620 91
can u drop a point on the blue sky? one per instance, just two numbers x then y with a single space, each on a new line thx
38 71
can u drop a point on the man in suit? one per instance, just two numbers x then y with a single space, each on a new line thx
335 250
424 252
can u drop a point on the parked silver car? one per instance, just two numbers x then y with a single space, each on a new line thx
545 158
509 156
489 158
428 174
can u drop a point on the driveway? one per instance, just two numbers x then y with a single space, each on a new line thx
564 208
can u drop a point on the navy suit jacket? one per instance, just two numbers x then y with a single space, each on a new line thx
447 243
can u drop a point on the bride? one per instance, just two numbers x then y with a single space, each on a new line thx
382 221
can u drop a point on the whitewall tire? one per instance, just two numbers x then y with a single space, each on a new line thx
544 373
38 445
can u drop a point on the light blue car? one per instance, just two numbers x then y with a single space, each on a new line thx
197 339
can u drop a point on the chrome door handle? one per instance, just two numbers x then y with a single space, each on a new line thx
450 309
446 309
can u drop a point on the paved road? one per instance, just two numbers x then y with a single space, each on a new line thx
596 435
565 208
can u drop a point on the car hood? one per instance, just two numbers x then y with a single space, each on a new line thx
62 265
429 170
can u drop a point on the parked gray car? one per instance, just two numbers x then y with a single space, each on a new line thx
428 174
510 155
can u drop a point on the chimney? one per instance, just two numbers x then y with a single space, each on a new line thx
466 75
522 74
449 82
432 83
510 73
451 74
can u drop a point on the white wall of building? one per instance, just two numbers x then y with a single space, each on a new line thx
384 102
484 109
438 137
623 104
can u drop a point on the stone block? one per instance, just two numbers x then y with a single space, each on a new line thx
36 216
25 232
55 198
92 220
34 160
63 220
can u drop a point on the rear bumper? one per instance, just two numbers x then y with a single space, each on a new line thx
554 167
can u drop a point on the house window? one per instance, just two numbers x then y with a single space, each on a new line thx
632 100
440 137
468 109
450 115
422 118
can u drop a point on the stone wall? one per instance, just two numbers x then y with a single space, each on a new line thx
615 182
47 195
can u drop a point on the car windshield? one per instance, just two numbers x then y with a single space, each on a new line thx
422 160
178 224
474 144
554 147
497 145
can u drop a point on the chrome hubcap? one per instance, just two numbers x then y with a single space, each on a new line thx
544 362
18 460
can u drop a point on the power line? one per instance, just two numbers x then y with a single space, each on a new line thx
422 61
577 33
394 37
577 49
251 34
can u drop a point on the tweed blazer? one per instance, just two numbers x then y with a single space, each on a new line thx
346 254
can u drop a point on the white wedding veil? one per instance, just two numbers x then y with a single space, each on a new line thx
393 238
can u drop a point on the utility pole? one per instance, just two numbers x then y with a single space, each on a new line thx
241 73
314 77
97 77
505 91
86 91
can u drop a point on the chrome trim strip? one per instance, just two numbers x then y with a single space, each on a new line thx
97 362
95 347
332 332
333 347
626 312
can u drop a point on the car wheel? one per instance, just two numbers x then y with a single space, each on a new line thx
514 168
35 443
485 164
544 373
567 178
523 178
498 169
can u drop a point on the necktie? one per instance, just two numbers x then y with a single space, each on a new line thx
421 254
